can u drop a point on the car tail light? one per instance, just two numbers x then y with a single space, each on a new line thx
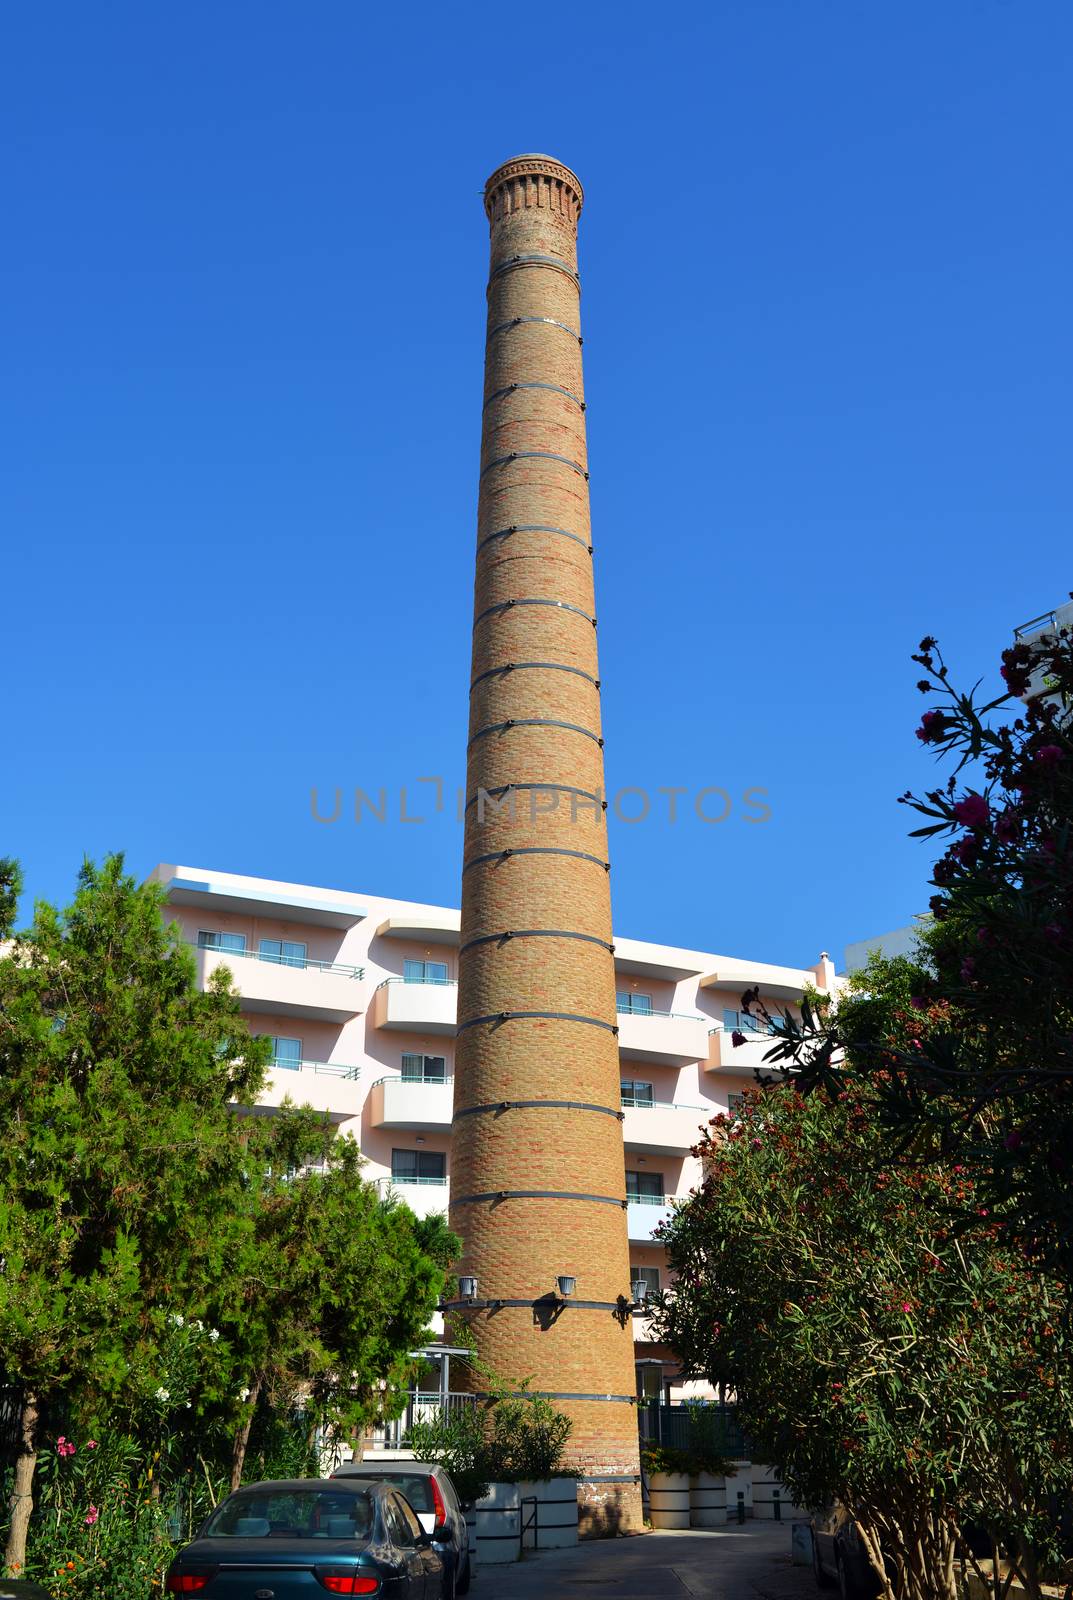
349 1582
440 1509
188 1582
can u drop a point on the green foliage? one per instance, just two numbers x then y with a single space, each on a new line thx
979 1059
881 1356
504 1437
659 1458
192 1286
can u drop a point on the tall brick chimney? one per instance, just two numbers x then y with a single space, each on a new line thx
538 1181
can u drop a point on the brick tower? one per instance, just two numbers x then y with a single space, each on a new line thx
538 1182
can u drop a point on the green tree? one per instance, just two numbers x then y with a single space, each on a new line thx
881 1355
337 1285
122 1182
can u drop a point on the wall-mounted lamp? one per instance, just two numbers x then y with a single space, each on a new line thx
567 1285
639 1290
467 1288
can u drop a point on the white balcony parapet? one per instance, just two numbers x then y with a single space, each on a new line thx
747 1056
396 1102
326 991
424 1196
661 1127
326 1086
644 1213
667 1036
774 983
408 1005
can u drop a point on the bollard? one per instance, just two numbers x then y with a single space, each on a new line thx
778 1505
741 1505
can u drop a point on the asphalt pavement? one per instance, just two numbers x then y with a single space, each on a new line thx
749 1562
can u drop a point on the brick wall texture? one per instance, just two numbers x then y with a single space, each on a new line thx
538 1188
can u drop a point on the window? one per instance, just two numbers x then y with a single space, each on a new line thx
644 1187
649 1276
214 940
424 971
639 1004
286 951
744 1022
297 1514
735 1103
401 1522
424 1069
418 1166
635 1092
287 1053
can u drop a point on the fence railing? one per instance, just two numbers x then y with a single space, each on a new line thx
678 1427
324 1069
422 1405
341 968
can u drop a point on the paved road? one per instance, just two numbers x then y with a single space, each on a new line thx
738 1563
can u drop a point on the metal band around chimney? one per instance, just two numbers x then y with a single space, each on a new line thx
516 322
532 527
529 666
499 1106
535 455
534 1194
536 933
542 788
499 1017
538 1303
533 722
555 388
535 850
535 261
508 605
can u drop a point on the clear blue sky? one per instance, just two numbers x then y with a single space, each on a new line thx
827 264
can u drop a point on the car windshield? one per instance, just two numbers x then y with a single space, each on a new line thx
413 1485
292 1514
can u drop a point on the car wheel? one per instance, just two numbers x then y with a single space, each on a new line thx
462 1586
823 1578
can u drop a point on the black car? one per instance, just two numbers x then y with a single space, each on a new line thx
839 1558
296 1538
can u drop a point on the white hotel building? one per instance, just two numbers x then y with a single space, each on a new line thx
358 994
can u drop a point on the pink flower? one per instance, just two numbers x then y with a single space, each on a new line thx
64 1447
1048 755
973 811
932 727
906 1306
92 1516
91 1444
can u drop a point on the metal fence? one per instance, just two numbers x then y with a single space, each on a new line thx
421 1406
677 1427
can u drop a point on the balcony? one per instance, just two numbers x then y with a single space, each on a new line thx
662 1128
411 1102
662 1037
424 1196
325 991
409 1006
644 1213
324 1085
744 1058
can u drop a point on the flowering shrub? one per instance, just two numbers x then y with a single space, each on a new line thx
987 1070
914 1370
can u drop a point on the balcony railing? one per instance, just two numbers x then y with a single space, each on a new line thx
421 1406
325 1069
340 968
444 983
646 1199
636 1103
404 1183
639 1011
404 1077
1036 625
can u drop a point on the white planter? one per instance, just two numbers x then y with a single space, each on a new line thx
499 1525
707 1501
771 1498
556 1513
668 1499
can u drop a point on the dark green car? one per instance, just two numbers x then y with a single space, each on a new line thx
299 1538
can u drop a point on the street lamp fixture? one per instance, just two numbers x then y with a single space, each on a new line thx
639 1290
567 1285
467 1288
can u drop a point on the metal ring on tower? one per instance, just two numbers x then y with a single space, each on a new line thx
526 666
533 722
499 1017
509 388
535 455
536 850
558 788
535 933
508 605
552 322
531 527
535 261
